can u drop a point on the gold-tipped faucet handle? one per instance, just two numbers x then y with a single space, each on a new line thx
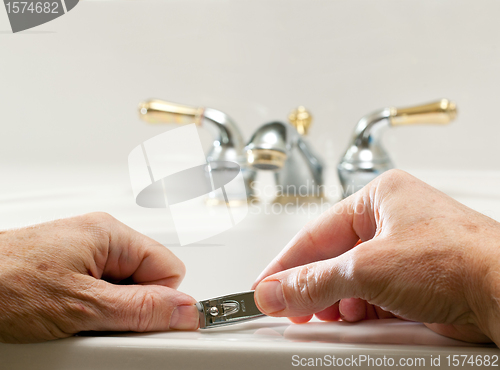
159 111
301 119
439 112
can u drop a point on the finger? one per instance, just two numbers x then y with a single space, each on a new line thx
124 252
355 309
139 308
382 314
308 289
331 313
333 233
300 319
352 309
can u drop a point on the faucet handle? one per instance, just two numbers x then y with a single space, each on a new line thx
440 112
301 119
160 111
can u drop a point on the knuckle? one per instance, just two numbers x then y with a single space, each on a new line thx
97 218
147 303
306 287
396 176
175 279
181 270
392 182
97 225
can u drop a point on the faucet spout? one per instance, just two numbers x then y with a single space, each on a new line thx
269 145
366 158
278 147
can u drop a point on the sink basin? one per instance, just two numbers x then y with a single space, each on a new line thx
239 253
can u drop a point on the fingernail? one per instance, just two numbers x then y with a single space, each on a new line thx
269 296
185 318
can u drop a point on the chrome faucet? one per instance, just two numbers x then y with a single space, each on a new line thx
366 158
228 142
280 147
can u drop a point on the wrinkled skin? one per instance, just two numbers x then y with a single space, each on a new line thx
397 247
62 277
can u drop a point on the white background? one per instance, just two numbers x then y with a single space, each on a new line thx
69 89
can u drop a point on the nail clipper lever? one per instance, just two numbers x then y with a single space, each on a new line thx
227 310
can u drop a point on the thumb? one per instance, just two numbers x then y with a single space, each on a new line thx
311 288
141 308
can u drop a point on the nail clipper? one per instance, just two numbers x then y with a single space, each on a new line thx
228 310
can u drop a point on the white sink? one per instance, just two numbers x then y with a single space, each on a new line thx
223 264
264 344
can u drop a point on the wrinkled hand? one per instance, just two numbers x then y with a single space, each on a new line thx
57 279
423 257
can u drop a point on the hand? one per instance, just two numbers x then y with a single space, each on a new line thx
57 279
423 257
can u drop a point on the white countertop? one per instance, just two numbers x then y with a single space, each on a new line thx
265 344
232 260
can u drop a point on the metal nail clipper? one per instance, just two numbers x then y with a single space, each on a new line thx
227 310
